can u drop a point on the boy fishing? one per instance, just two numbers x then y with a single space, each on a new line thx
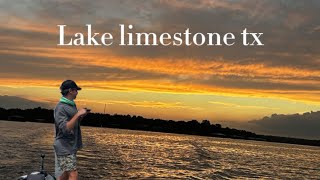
68 139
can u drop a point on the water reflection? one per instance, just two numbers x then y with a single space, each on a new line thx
123 154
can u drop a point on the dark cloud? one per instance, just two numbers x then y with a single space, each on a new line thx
273 18
304 125
287 26
56 68
258 83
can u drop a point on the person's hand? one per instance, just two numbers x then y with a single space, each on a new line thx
82 112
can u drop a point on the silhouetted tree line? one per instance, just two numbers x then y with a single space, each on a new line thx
193 127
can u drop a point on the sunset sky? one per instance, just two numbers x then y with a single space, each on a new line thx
218 83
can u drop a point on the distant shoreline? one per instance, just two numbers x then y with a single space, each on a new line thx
193 127
215 136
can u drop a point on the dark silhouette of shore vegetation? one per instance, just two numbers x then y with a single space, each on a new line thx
192 127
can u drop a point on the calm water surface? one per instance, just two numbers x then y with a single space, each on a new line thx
125 154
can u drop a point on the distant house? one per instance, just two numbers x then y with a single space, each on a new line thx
40 120
16 118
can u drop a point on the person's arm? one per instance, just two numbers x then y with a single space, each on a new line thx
79 115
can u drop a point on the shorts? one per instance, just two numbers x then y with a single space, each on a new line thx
67 163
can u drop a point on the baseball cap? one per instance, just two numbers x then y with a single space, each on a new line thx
69 84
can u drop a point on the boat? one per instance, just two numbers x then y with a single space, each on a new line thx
38 175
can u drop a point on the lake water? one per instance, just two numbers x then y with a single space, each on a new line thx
123 154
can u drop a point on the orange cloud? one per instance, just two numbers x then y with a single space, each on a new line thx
240 106
145 104
183 68
24 24
162 86
178 69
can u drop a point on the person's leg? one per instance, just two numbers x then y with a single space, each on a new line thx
65 166
68 164
64 176
73 175
57 171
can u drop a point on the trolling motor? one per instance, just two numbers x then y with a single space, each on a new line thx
42 175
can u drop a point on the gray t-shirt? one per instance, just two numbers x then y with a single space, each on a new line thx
66 141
